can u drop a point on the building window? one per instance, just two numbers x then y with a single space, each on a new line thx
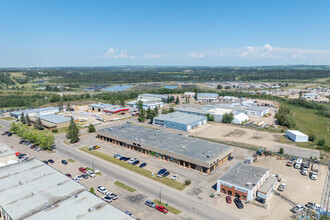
243 197
230 192
237 195
223 190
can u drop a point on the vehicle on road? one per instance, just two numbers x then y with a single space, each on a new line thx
90 173
51 161
102 190
64 162
238 203
143 165
281 187
161 209
175 176
298 208
261 200
150 203
82 169
166 174
228 199
107 199
161 172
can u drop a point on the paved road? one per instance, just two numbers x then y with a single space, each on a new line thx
193 207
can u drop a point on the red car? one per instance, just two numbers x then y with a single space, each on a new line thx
228 199
161 209
82 169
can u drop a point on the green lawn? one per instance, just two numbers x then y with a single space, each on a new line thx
137 169
71 160
7 118
170 209
122 185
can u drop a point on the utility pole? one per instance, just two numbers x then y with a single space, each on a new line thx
93 165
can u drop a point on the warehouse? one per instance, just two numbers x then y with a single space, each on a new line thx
180 121
53 121
115 110
98 107
242 180
34 191
153 97
296 136
207 97
36 112
267 187
240 119
146 104
7 155
189 152
217 113
257 111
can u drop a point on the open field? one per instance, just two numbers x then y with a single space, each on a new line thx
7 118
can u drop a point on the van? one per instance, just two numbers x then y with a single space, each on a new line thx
297 164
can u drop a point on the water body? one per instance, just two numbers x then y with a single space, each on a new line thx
170 87
117 88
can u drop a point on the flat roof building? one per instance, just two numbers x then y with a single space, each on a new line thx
115 110
180 121
53 121
146 104
197 154
34 191
7 155
36 112
154 97
207 97
257 111
242 180
98 107
217 113
267 187
296 136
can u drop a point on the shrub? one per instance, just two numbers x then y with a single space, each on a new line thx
187 182
321 142
91 190
281 150
311 137
55 131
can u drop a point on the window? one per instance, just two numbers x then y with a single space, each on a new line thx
237 195
243 197
230 192
223 190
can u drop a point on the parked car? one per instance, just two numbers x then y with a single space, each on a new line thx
117 156
150 203
175 176
161 209
261 200
9 134
79 177
282 187
45 161
143 165
85 176
23 158
161 172
96 147
298 208
107 199
166 174
126 158
122 158
64 162
102 190
68 175
51 161
37 149
228 199
238 203
136 162
132 160
230 158
304 172
289 163
82 169
112 195
21 142
90 173
76 179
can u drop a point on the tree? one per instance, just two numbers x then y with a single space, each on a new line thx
281 150
23 118
91 190
177 101
321 142
228 118
60 103
38 125
219 87
73 132
91 128
156 112
142 116
68 107
28 121
284 117
122 102
210 117
311 137
139 104
149 113
227 87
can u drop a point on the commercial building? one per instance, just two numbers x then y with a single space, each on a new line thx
35 112
207 97
98 107
189 94
7 156
296 136
242 180
115 110
53 121
257 111
217 113
180 121
34 191
146 104
240 118
153 97
267 187
189 152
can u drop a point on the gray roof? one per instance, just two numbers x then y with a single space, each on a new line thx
5 150
207 95
34 190
268 184
36 110
242 173
100 105
181 118
179 146
155 95
257 108
192 110
55 119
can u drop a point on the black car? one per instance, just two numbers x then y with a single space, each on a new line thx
261 200
21 141
85 176
230 158
126 158
64 162
45 161
135 162
9 134
143 165
5 133
51 161
122 158
238 203
166 174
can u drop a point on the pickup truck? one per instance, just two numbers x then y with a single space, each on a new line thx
282 187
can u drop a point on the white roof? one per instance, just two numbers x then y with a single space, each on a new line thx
297 133
241 117
5 150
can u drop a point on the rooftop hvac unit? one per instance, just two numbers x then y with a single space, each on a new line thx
248 184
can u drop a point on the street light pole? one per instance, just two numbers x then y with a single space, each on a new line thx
93 165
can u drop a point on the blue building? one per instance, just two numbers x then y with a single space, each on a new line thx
180 121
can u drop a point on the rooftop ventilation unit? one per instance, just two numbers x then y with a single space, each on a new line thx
248 184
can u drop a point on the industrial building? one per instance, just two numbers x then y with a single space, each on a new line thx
35 112
53 121
193 153
7 156
242 180
296 136
115 110
207 97
98 107
257 111
180 121
240 118
217 113
34 191
267 187
146 104
153 97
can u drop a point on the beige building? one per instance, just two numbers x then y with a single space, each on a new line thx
53 121
7 155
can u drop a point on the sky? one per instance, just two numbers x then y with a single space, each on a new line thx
193 32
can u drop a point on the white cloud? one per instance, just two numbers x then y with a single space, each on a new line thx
116 53
197 54
110 52
152 56
122 54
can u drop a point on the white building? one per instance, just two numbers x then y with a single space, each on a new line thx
207 97
217 113
7 156
189 94
267 187
257 111
240 118
153 97
146 104
36 112
296 136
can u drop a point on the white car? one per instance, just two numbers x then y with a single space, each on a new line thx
79 177
175 176
298 208
132 160
76 179
282 187
102 190
107 199
112 195
90 173
24 158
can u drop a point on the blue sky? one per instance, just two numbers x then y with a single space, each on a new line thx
104 33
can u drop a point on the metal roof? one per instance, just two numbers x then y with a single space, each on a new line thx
242 174
55 119
100 105
297 133
179 146
5 150
268 184
34 190
257 108
192 110
181 118
115 109
36 110
155 95
207 95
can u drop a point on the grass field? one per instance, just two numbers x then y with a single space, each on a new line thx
170 209
122 185
7 118
71 160
136 169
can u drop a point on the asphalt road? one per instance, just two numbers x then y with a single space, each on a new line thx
193 207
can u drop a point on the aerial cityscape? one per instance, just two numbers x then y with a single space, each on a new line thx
154 110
